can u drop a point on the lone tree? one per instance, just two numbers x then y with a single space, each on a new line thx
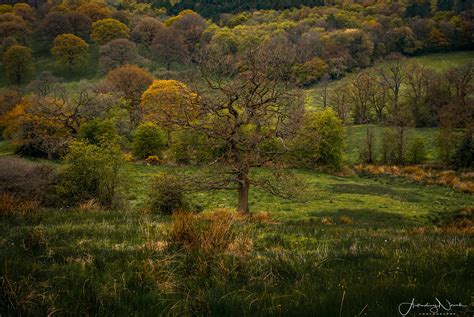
70 51
250 107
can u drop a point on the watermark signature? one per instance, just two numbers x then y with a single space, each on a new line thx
441 308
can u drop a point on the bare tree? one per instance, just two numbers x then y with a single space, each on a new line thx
250 106
393 75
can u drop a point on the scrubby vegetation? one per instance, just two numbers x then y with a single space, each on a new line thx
235 158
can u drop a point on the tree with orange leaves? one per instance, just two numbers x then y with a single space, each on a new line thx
130 81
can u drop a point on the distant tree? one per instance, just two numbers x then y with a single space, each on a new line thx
421 8
70 51
437 40
97 130
18 64
26 12
320 141
117 53
169 46
104 31
95 11
310 71
54 24
360 92
190 26
166 101
416 152
418 85
148 139
13 26
400 40
367 150
131 81
146 30
80 23
339 100
393 75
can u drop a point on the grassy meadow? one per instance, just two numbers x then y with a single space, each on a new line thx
440 62
357 246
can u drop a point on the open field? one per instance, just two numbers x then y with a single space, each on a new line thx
440 62
358 246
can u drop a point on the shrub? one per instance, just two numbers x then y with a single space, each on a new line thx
168 195
97 130
148 140
27 181
416 153
11 206
394 146
320 141
189 147
92 172
464 155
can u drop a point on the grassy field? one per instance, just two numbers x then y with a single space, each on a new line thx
440 62
356 135
358 247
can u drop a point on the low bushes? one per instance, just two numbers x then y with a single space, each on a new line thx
168 195
92 172
23 182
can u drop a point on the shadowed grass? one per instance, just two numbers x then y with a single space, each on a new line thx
99 262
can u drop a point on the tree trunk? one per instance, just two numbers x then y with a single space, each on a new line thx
243 206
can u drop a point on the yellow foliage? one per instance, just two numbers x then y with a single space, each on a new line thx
169 101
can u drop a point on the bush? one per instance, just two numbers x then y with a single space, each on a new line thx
194 148
92 172
320 141
464 155
168 195
394 147
27 181
416 153
148 140
97 130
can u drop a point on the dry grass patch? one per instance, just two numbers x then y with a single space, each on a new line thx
460 181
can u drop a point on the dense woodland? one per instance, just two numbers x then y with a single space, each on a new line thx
230 92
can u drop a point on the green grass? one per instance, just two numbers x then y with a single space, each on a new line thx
98 263
440 62
356 135
6 148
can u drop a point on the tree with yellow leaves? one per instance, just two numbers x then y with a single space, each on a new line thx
167 101
70 51
106 30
